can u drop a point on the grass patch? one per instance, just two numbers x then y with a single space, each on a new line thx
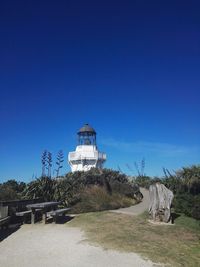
178 245
188 222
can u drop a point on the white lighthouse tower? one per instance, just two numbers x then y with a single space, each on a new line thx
86 155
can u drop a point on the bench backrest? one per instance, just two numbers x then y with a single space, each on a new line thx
3 211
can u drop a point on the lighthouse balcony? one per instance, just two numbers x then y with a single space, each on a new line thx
95 155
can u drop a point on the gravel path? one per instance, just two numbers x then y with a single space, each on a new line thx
60 246
139 208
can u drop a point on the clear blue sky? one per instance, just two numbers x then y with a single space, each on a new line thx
131 69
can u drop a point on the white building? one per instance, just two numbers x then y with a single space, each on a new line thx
86 155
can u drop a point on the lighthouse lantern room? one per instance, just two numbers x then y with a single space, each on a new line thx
86 155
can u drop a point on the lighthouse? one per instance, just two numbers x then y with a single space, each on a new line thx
86 155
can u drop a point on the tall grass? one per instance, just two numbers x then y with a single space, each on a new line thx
95 198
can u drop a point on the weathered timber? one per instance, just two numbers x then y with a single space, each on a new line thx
4 218
23 213
56 213
60 211
160 202
4 221
26 214
45 206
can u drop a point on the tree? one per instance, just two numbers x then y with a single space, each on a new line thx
11 190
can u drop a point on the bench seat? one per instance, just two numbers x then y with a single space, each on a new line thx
26 212
4 221
23 213
56 213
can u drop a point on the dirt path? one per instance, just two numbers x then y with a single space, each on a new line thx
139 208
61 246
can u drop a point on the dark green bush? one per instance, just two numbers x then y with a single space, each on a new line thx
95 198
43 188
143 181
112 181
196 207
128 189
11 190
188 204
185 184
69 189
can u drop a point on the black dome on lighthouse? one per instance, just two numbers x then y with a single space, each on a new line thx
87 129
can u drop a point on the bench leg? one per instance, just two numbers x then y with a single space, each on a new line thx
32 217
44 218
54 219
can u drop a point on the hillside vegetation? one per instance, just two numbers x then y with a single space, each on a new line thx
108 189
84 191
185 184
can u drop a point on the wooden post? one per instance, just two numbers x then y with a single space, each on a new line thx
44 217
33 216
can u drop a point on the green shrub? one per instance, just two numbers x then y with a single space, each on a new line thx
185 184
112 181
70 189
43 188
187 204
67 190
11 190
196 207
95 198
143 181
128 189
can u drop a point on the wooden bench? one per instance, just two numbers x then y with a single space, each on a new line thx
4 218
56 213
25 214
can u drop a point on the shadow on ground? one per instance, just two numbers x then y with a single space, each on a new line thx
4 233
